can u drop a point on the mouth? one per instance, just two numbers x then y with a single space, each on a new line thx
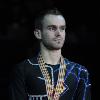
58 39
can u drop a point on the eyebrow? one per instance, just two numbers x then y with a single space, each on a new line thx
55 26
51 26
63 26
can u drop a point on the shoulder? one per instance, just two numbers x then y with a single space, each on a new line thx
27 65
20 65
75 65
77 68
27 62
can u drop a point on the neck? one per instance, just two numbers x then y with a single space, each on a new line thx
50 56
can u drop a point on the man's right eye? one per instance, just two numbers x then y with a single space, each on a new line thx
51 28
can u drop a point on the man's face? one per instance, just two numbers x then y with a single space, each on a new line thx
53 31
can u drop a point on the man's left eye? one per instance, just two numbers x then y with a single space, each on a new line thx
62 28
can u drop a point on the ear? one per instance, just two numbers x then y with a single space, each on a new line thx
37 33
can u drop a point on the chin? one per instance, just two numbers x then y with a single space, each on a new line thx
56 48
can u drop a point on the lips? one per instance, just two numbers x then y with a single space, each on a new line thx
58 39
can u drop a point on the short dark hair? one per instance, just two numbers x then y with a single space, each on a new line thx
40 16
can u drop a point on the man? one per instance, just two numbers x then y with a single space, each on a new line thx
50 76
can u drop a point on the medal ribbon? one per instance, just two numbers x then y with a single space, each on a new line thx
53 93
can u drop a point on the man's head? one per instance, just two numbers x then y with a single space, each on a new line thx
50 29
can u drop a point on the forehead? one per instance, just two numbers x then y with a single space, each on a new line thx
53 20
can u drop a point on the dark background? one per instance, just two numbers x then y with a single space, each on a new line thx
17 41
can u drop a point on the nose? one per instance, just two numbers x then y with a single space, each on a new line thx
58 32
